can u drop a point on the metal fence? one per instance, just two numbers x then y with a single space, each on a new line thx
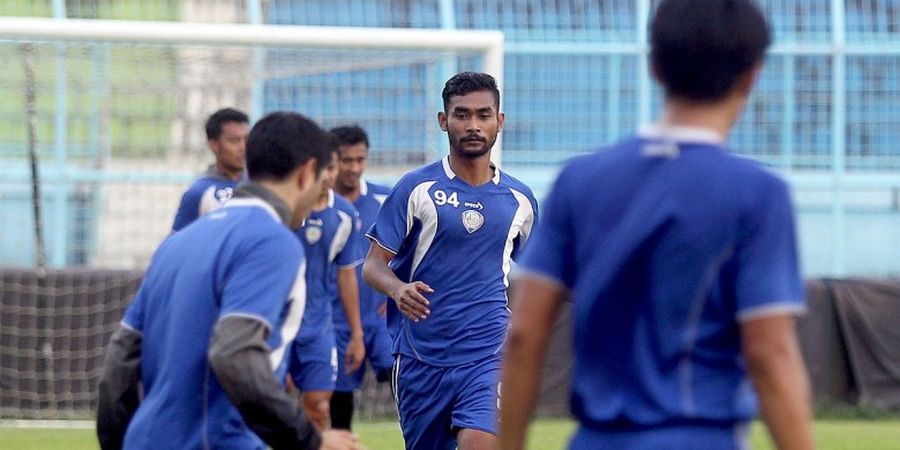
826 112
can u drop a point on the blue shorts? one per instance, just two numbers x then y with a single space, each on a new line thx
434 403
378 352
674 437
313 362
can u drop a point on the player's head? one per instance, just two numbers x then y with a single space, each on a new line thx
353 143
471 115
226 136
289 152
330 174
704 51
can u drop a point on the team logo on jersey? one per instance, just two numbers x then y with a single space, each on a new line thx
313 234
224 194
472 220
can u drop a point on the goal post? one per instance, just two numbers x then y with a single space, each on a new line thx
119 114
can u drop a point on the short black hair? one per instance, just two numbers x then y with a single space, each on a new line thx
283 141
467 82
215 121
699 48
351 135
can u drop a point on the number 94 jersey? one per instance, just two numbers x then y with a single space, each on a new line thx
460 240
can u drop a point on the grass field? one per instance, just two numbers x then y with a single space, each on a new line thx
545 435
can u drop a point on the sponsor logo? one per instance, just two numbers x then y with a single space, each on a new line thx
476 205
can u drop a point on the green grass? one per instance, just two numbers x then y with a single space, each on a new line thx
883 434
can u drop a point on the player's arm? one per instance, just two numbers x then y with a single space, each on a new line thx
239 357
118 394
188 209
408 296
348 290
776 368
536 302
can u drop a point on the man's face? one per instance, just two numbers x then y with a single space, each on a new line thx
230 147
310 184
472 123
352 165
330 173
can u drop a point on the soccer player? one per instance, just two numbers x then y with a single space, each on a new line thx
443 246
680 261
332 256
208 328
226 137
367 199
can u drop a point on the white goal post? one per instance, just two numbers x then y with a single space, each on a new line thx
489 43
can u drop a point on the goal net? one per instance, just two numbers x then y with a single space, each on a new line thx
118 113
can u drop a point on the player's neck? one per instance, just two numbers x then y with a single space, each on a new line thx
718 117
474 171
322 201
351 194
233 175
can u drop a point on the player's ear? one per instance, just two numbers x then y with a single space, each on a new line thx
442 120
501 119
213 145
307 175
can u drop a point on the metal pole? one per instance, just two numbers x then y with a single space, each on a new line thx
838 138
40 252
258 55
644 85
59 225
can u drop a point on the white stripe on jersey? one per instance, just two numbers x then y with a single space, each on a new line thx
520 227
208 201
291 325
341 235
421 207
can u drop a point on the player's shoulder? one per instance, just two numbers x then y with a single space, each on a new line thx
342 205
375 189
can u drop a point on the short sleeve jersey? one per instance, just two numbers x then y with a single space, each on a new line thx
206 194
460 240
237 261
371 196
666 243
327 237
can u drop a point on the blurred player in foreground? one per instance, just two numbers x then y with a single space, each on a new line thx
442 248
332 254
226 137
367 199
680 260
206 333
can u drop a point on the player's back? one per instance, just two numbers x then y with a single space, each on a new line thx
207 193
666 232
183 405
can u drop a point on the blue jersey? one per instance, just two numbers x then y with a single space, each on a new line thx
207 193
371 196
238 261
460 240
666 243
327 237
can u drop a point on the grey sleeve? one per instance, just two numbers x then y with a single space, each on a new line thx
118 392
239 357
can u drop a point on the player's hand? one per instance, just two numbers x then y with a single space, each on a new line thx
382 309
411 302
340 440
355 353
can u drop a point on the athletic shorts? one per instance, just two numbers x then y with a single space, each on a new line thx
313 362
434 403
378 352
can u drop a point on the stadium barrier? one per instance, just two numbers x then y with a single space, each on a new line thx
54 327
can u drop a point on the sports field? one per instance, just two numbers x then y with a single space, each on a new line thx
546 435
